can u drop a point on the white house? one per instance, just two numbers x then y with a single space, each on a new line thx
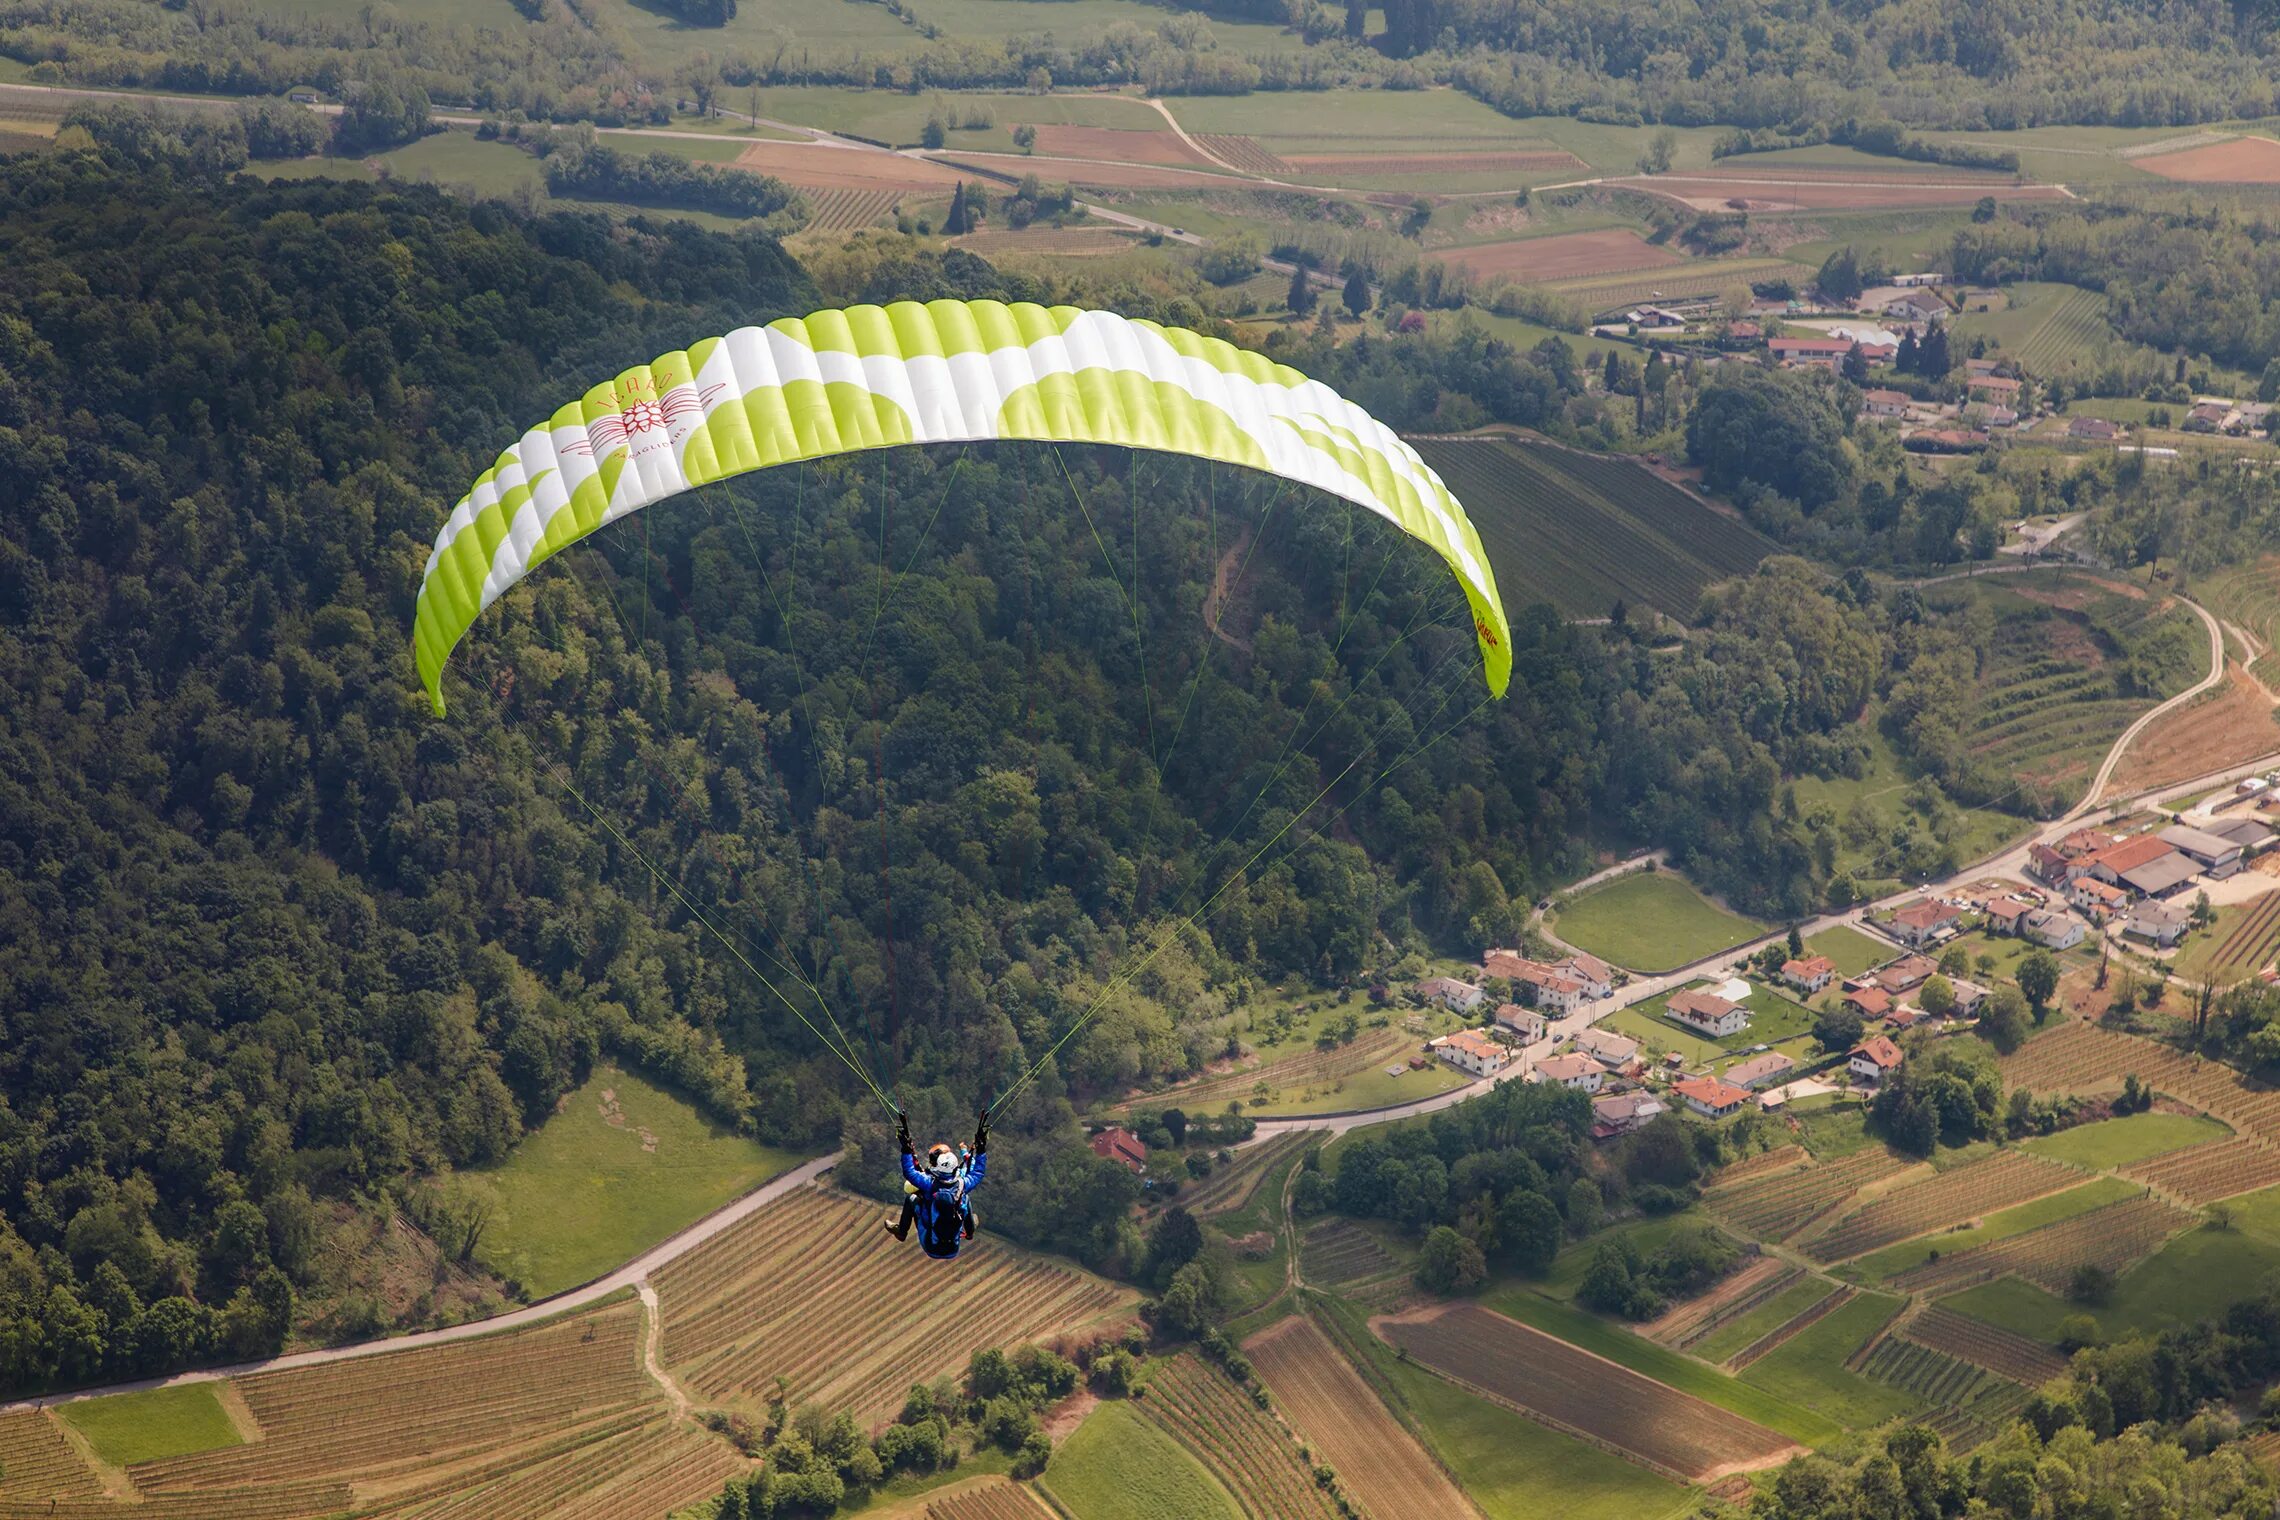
1527 1023
1810 974
1470 1050
1549 987
1620 1113
1875 1059
2060 931
1579 1072
1710 1097
1463 997
1597 976
1760 1071
1707 1013
1608 1048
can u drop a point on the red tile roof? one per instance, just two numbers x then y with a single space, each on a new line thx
2130 854
1116 1143
1880 1050
1711 1092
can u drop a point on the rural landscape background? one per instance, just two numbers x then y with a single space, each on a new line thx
1807 1051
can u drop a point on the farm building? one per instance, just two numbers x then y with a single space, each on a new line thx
1579 1072
1809 353
1708 1013
1920 922
1527 1023
1809 975
1463 997
1871 1002
1470 1050
2048 926
2158 923
1620 1113
1906 972
2116 861
1608 1048
1651 317
2001 387
1760 1071
1884 403
2094 429
1118 1144
2162 877
2217 856
1912 281
1710 1097
2252 837
1874 1059
1913 309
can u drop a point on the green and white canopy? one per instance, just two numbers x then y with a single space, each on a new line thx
870 377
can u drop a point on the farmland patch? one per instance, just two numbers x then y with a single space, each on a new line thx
1347 1424
2238 161
1561 256
1247 1448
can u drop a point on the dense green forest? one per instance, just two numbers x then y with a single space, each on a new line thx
1793 68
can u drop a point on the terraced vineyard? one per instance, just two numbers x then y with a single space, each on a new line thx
1568 530
1341 1252
1706 277
1971 1404
1777 1159
37 1463
2116 1238
1684 1324
2006 1354
794 1292
1247 1448
1774 1208
2082 1058
2249 943
1780 1335
1232 1186
1939 1202
2206 1173
2249 596
1378 1461
1001 1500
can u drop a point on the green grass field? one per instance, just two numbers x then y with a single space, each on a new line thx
1851 951
897 117
1585 531
1804 1421
1896 1259
1515 1469
2249 595
1117 1466
2193 1278
1651 921
1643 1235
160 1422
1881 793
2113 1143
1774 1020
1743 1330
584 1195
1809 1368
1912 239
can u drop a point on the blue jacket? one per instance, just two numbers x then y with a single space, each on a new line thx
933 1196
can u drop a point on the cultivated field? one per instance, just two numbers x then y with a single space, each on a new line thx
2027 1363
1003 1499
1561 256
1703 277
1420 167
554 1421
2209 1172
844 210
1106 174
1232 1186
1583 533
1118 145
2082 1058
1774 1208
1118 1466
1378 1461
1244 153
1741 1291
1341 1252
1776 191
2116 1238
1246 1447
1788 1330
2248 596
1780 1158
2045 326
38 1465
794 1292
2238 161
2248 941
812 166
1940 1201
1665 1430
1969 1403
2214 731
1371 1050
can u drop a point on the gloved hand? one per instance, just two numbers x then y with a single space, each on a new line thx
982 1132
902 1132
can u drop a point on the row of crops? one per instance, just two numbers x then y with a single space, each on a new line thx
1583 533
1602 291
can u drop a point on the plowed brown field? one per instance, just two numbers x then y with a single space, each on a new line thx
814 166
1378 1461
1772 192
1560 257
2243 161
1117 145
1672 1432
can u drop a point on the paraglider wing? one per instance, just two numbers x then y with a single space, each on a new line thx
870 377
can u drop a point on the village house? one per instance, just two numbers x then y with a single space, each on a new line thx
1869 1002
1874 1059
1988 414
1579 1072
1710 1097
2100 900
1461 997
2048 926
2158 923
1118 1144
1761 1071
1647 318
2207 417
1620 1113
2004 913
1707 1013
1470 1050
1913 309
1809 975
1527 1023
2093 429
1809 353
1597 976
1547 987
2000 387
1503 963
2049 865
1906 972
1920 922
1884 403
1904 1018
1608 1048
1968 996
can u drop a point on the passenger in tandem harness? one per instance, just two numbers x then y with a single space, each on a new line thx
938 1195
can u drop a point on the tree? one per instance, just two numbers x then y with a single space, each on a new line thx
1191 1302
1839 279
1937 997
934 134
1450 1263
1983 210
1796 944
1357 19
1529 1232
1907 356
1955 961
2003 1019
1837 1028
1356 295
960 219
1855 367
1932 360
1172 1244
1300 298
2038 979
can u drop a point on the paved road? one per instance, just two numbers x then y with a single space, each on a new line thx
2216 674
634 1275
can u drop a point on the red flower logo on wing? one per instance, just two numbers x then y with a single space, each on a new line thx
644 417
